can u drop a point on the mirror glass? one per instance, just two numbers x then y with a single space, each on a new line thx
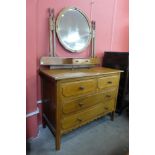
73 29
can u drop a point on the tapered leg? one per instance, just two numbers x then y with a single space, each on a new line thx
112 116
57 141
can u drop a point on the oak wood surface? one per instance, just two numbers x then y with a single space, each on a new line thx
68 61
78 87
109 81
86 115
77 119
75 105
73 98
59 74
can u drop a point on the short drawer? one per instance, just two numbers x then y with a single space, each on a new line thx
87 101
78 87
109 95
110 105
82 117
109 81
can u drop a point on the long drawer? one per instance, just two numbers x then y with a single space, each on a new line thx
81 87
83 117
88 101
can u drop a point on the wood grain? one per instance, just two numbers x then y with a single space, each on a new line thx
73 98
47 61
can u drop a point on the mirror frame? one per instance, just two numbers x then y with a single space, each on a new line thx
59 37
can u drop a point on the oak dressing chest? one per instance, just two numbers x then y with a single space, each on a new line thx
74 97
74 90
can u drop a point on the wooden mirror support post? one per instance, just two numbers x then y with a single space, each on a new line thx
52 44
93 24
58 62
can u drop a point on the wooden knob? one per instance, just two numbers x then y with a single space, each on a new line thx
81 87
109 82
106 108
108 96
79 119
80 104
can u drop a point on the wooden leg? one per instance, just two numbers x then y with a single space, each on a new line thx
112 116
57 141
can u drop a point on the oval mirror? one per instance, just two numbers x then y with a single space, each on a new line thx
73 29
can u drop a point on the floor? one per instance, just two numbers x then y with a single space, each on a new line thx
100 137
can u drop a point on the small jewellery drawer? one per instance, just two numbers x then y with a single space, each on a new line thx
87 101
108 81
78 119
78 87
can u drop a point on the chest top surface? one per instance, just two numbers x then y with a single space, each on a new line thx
59 74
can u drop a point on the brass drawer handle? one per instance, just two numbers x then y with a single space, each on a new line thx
109 82
106 108
81 87
108 96
79 119
80 104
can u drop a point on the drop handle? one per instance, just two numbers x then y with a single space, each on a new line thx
79 119
108 96
81 87
109 82
80 104
106 108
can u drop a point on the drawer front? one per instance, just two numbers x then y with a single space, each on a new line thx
78 87
109 95
88 101
109 105
108 81
81 103
82 117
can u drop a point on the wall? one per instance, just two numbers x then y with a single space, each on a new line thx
31 69
111 18
120 31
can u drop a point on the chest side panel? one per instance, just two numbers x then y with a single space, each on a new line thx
49 99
